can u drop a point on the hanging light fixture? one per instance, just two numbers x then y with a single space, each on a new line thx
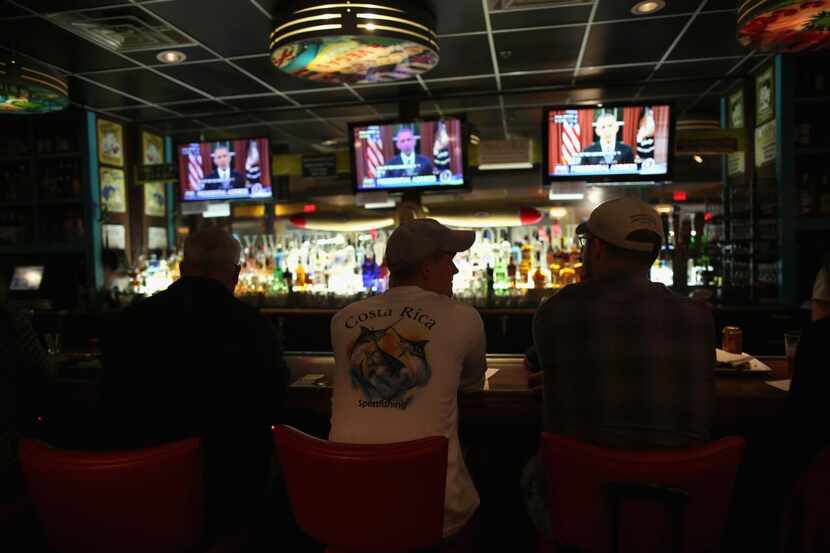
784 25
354 42
28 88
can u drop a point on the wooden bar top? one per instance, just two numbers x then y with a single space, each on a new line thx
743 401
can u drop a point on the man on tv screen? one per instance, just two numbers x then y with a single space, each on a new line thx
407 163
607 150
223 176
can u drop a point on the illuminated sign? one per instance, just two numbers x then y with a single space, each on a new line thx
785 25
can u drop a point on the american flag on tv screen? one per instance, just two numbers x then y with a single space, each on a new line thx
194 167
373 152
570 137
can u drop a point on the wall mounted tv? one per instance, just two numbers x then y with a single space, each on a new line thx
622 143
225 170
429 154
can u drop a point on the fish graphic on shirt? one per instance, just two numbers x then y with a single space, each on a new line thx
386 365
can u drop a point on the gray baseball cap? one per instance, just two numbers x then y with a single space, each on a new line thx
416 240
614 221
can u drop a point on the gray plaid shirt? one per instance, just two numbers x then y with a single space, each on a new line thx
627 364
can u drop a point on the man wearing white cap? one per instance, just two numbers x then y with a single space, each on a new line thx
402 357
627 363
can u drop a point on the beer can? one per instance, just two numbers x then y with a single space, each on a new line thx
732 339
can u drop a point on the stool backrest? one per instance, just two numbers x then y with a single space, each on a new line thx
604 499
806 522
143 500
376 498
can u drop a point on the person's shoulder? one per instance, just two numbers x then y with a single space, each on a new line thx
355 307
682 303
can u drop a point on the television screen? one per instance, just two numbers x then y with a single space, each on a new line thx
225 170
610 143
408 155
26 278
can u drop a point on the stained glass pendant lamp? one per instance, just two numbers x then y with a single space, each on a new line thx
27 88
785 25
354 42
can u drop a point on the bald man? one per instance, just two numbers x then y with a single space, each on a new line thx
195 361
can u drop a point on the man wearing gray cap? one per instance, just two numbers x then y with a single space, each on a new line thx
626 362
402 357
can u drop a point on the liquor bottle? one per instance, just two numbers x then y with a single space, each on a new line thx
539 279
511 272
524 266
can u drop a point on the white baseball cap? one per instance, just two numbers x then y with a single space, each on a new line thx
416 240
615 220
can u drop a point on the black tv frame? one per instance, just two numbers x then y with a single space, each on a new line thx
465 139
619 180
180 193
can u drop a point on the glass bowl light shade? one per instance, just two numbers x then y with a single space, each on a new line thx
27 88
354 42
785 25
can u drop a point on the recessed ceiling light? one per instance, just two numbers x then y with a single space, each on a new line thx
648 7
171 56
698 158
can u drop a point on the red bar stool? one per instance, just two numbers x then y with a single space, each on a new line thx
128 501
604 499
378 498
806 524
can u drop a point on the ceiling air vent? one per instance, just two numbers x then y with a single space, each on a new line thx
507 5
125 29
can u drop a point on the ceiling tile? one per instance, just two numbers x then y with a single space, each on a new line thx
462 55
312 133
711 35
231 32
484 118
199 106
461 85
537 79
404 90
230 119
252 131
618 9
539 18
339 94
631 42
537 98
8 10
178 125
143 113
216 78
262 68
454 16
47 42
49 6
460 105
259 102
614 74
145 84
193 53
536 50
95 96
696 69
356 113
676 89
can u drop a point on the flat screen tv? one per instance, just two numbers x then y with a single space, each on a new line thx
26 278
225 170
429 154
622 143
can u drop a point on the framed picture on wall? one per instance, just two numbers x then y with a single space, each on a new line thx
110 143
764 97
152 149
113 190
157 238
155 199
113 237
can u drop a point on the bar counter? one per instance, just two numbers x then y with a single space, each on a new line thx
745 403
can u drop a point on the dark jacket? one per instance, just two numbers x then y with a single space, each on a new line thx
424 167
194 360
624 154
237 180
